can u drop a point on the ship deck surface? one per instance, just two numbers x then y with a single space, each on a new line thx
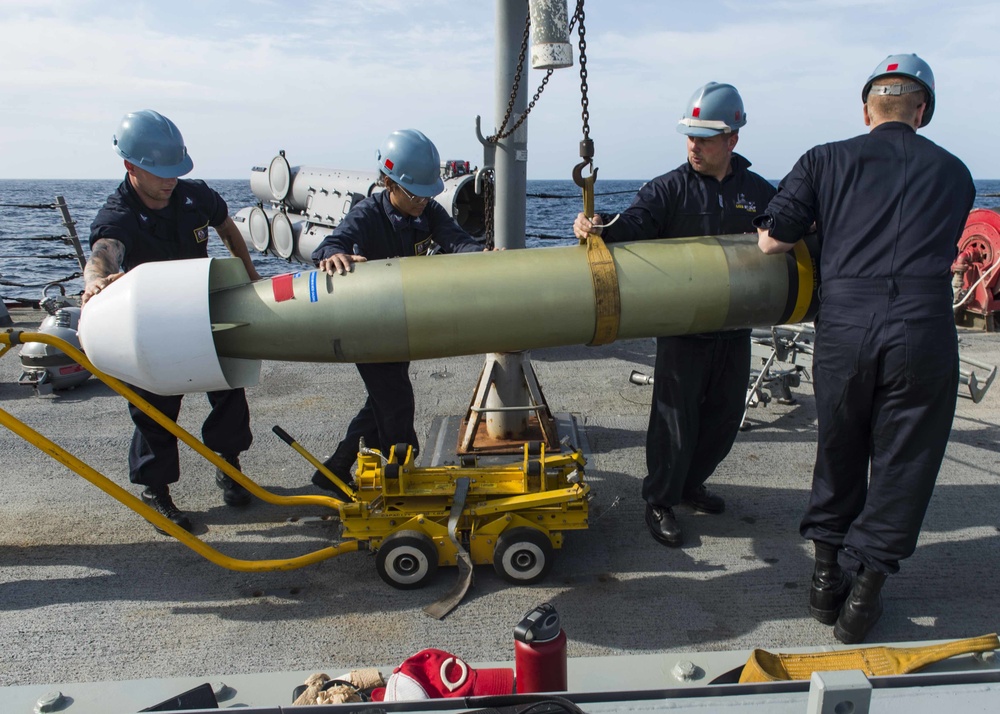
89 592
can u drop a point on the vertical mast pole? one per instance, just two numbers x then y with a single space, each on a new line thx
511 176
512 152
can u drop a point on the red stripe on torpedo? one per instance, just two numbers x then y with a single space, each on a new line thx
281 286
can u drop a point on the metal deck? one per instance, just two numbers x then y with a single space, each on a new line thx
89 593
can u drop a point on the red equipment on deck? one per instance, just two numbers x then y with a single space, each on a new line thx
976 271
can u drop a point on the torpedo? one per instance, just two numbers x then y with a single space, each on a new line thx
200 325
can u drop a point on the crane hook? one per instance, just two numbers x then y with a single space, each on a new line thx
586 182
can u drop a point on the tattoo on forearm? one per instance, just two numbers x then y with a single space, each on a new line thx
105 259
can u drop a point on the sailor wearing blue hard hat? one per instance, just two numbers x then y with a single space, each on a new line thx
700 381
401 221
889 207
155 216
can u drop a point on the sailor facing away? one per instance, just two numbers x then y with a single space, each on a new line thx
400 221
700 381
889 207
155 216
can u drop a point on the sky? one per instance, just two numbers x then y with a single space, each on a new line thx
326 81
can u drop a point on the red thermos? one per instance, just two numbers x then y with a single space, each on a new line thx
540 652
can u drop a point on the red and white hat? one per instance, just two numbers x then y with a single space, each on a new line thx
435 674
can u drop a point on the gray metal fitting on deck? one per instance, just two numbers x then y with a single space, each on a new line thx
836 692
50 702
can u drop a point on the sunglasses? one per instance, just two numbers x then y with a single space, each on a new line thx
415 199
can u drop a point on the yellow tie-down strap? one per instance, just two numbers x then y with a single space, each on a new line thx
807 272
607 299
766 666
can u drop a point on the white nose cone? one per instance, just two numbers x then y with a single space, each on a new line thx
151 328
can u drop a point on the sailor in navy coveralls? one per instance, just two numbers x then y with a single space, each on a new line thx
699 381
154 216
889 207
401 221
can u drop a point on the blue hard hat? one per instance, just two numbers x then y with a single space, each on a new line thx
410 159
905 66
152 142
713 109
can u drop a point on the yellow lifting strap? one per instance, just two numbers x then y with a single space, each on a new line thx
766 666
607 299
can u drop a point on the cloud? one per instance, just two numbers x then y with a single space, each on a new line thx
327 81
336 83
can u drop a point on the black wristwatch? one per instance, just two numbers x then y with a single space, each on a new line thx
764 222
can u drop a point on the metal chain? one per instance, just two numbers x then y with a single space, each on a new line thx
514 89
11 283
584 99
28 205
489 197
501 134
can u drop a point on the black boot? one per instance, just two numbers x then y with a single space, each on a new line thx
233 494
862 609
704 501
341 471
159 498
830 585
663 526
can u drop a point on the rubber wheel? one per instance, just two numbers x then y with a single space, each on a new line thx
534 448
400 450
406 560
523 555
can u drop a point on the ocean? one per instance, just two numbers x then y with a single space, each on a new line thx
31 256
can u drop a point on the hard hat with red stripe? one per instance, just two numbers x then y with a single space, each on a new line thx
904 66
713 109
410 159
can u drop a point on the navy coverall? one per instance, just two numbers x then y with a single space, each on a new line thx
177 232
889 208
375 229
699 381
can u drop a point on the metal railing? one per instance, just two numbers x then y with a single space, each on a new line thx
70 238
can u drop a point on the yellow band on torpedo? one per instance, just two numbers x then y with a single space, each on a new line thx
803 262
607 299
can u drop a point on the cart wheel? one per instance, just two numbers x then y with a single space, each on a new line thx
523 555
407 560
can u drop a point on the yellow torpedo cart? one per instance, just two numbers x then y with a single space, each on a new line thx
415 518
418 518
511 516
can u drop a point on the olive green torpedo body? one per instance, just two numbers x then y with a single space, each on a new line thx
185 326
